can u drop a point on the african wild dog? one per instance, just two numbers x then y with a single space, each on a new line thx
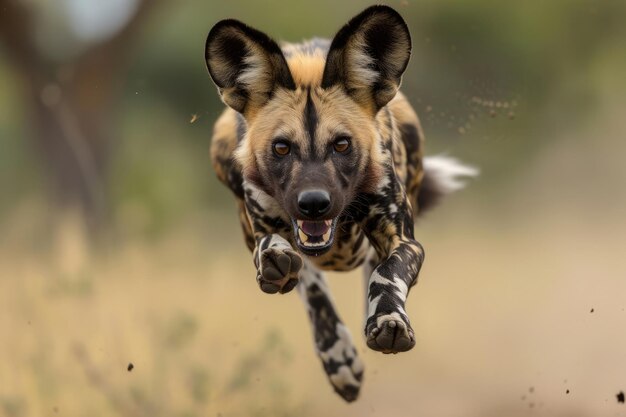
324 156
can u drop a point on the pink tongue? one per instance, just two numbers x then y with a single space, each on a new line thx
314 228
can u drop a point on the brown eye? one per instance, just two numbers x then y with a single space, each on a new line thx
281 148
341 145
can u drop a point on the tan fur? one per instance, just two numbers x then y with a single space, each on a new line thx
404 114
224 142
306 69
282 116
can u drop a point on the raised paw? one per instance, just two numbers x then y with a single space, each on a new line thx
389 333
278 270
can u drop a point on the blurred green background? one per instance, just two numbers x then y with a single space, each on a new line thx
118 245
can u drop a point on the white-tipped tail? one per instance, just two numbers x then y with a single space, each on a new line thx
442 175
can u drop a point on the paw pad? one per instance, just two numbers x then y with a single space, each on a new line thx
279 270
389 334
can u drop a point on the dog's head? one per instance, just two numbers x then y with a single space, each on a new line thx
312 141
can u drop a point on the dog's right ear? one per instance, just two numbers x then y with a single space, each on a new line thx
245 64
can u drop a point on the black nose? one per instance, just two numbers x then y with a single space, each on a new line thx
314 203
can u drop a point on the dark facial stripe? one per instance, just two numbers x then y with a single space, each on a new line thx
310 120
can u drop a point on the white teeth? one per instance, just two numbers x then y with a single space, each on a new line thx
304 238
314 244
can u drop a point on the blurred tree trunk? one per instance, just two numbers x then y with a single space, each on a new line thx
71 106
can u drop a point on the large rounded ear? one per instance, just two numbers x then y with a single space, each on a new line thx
368 56
246 65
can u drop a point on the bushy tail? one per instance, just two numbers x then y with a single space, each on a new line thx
442 175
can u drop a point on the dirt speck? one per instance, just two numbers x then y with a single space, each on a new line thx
592 310
130 367
567 391
620 397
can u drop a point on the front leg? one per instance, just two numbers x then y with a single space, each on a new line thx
389 226
277 264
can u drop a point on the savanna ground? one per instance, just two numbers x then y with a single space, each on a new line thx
520 308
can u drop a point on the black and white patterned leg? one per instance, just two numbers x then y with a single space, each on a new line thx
371 262
384 332
278 265
387 328
387 221
333 342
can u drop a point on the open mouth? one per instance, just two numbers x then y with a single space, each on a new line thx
314 237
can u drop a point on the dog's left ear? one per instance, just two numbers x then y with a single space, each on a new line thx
246 65
368 56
